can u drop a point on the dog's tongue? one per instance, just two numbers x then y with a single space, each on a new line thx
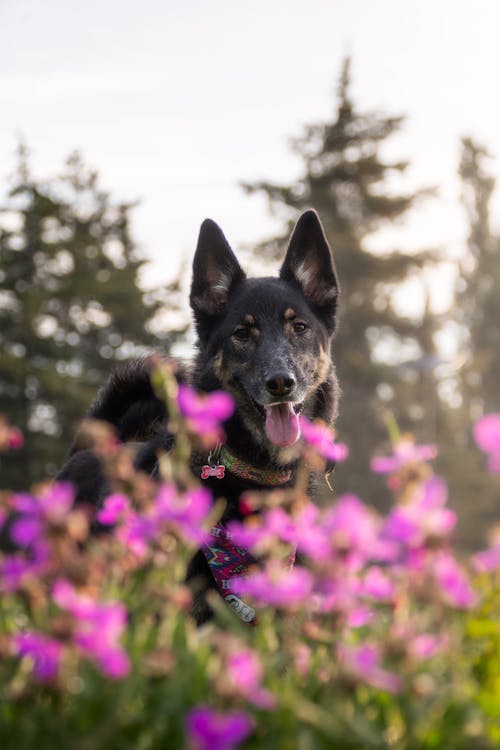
282 424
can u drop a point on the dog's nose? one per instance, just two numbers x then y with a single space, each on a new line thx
281 384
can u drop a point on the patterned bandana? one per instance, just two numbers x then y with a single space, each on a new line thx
226 562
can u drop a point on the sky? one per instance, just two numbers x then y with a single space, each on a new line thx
176 102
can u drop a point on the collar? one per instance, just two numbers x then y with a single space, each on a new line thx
244 470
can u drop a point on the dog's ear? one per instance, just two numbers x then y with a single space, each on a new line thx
215 271
309 264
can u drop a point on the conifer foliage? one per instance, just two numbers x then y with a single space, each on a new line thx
70 306
349 182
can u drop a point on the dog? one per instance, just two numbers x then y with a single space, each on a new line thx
267 342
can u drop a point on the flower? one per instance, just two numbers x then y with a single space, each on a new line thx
422 517
98 628
51 506
364 662
377 584
43 651
276 585
453 581
487 436
353 530
114 508
211 730
426 645
487 560
405 453
205 412
245 673
10 437
185 512
321 437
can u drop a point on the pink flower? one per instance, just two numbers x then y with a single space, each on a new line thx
43 651
13 570
276 585
453 581
98 628
115 507
205 412
353 530
51 506
364 662
426 645
487 435
488 560
377 584
15 438
211 730
185 512
245 673
321 437
405 453
423 517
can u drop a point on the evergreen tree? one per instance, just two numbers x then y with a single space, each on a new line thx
70 306
346 179
478 289
477 314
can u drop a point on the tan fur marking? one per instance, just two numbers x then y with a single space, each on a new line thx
249 319
220 372
289 313
324 363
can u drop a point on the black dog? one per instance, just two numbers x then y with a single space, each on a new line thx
267 342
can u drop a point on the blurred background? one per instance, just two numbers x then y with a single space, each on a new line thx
125 124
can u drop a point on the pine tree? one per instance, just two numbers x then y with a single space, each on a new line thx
478 289
346 179
70 307
476 314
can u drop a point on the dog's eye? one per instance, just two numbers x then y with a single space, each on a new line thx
241 333
300 327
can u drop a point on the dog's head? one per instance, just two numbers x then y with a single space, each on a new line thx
267 340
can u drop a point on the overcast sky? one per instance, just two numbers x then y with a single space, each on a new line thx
177 101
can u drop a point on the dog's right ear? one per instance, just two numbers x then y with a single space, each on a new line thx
215 272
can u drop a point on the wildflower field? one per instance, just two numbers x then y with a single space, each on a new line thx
378 636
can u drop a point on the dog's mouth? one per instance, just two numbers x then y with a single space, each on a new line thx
282 421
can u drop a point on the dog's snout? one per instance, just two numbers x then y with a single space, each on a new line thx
281 384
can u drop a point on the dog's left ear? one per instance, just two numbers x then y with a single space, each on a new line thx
215 272
309 263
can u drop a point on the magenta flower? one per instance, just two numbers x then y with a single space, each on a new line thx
205 412
26 530
10 437
137 532
276 585
211 730
423 517
364 662
453 581
426 645
487 435
43 651
488 560
377 584
405 453
115 507
245 673
51 506
354 531
15 569
98 628
184 512
321 437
